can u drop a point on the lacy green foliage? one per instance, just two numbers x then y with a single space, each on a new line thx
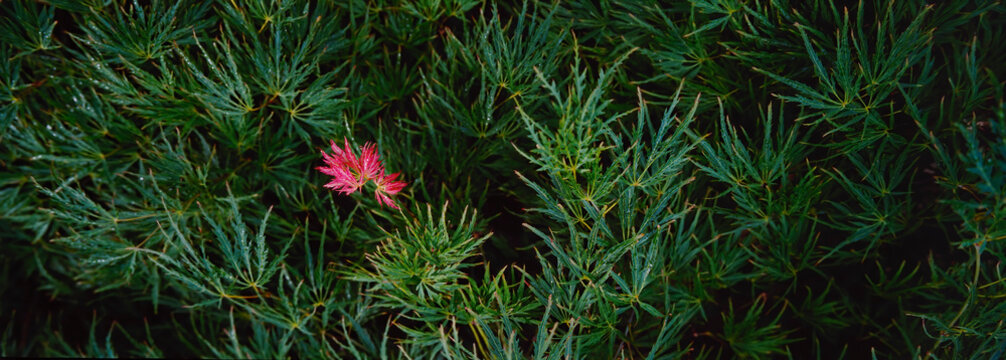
654 180
422 269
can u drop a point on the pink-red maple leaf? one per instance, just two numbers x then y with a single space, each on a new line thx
349 173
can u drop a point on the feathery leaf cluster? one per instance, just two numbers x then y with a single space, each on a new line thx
653 180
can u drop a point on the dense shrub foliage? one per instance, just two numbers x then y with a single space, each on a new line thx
584 179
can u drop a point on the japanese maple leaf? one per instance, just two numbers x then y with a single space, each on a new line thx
349 173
